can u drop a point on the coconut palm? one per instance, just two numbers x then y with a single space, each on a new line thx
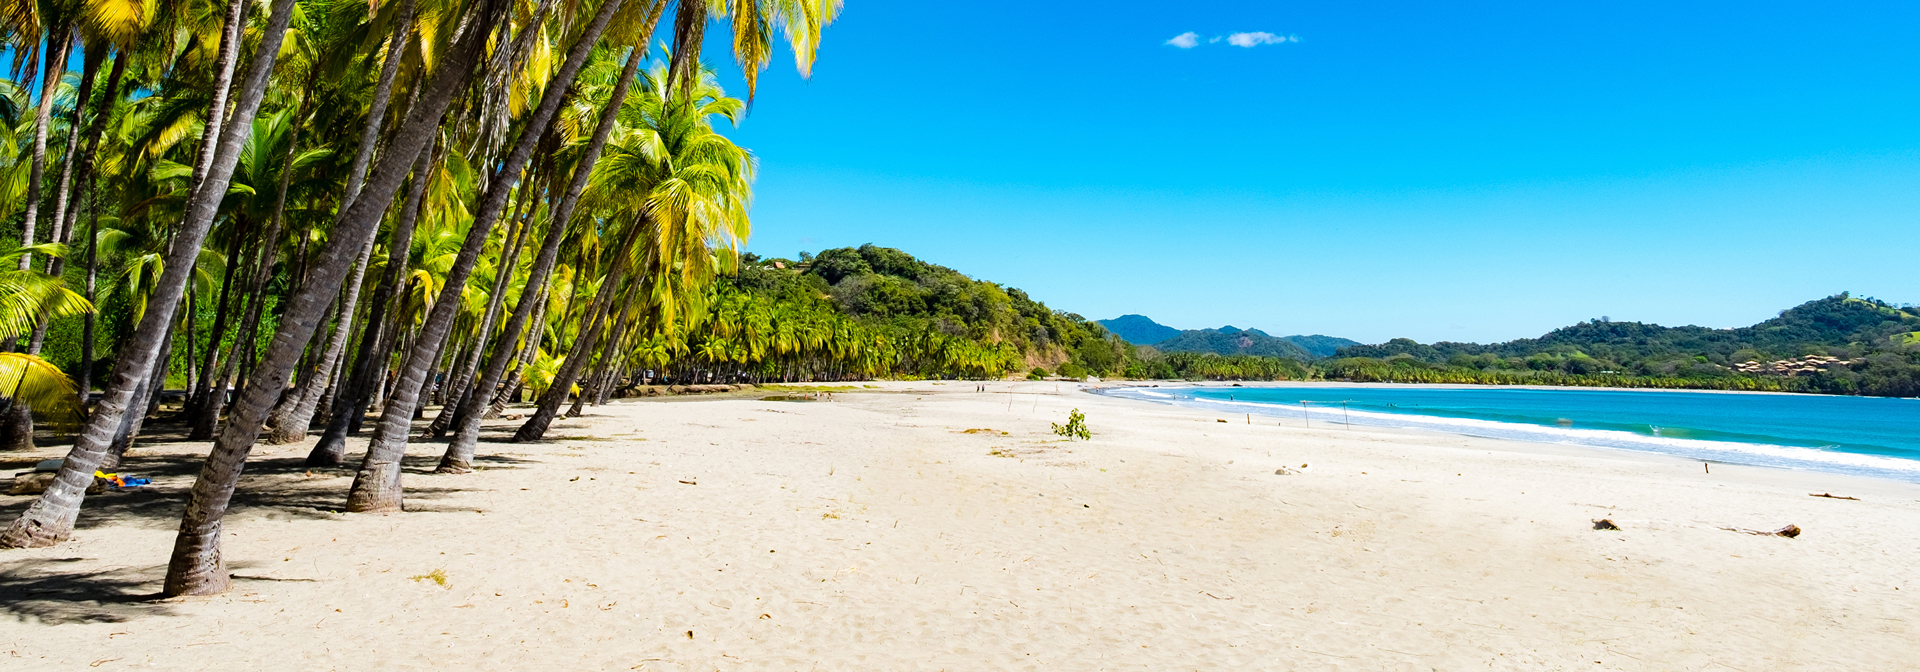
51 517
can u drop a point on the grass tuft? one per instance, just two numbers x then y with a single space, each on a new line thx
438 576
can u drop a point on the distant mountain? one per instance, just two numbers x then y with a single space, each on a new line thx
1139 329
1231 341
1227 340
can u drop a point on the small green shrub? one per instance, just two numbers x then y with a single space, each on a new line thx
1076 427
1037 373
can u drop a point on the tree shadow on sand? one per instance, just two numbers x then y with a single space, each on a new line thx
38 589
43 590
55 591
282 488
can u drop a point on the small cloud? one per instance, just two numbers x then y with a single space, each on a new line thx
1216 39
1250 40
1187 40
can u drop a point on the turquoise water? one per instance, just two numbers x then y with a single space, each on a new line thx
1871 436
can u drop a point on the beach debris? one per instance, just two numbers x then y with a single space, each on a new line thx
438 576
688 482
31 483
1222 421
1789 531
1829 495
1705 468
1290 471
1605 524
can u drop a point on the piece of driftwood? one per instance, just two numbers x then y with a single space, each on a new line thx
1789 531
1829 495
1605 524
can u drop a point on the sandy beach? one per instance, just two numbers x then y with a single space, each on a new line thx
927 526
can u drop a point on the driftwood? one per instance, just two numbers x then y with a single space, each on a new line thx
1789 531
1605 524
1829 495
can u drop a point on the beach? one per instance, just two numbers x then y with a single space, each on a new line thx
928 526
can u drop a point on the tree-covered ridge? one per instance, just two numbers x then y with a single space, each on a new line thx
1873 343
935 319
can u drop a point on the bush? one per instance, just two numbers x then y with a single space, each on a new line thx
1076 427
1037 373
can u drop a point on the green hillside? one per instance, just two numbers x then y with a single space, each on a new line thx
1839 344
879 312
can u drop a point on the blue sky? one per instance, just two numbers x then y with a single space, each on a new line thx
1439 171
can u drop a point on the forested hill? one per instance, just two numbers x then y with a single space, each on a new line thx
928 319
1837 344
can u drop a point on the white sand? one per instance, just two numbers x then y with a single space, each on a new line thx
869 533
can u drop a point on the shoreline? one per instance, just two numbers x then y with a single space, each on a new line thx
1473 386
1808 455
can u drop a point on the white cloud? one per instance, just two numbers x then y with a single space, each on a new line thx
1250 40
1186 40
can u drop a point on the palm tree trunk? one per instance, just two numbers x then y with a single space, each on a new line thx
243 344
93 273
50 518
594 320
608 355
382 96
459 456
351 402
225 64
377 486
202 387
197 566
62 223
54 65
510 390
294 414
502 277
94 133
292 428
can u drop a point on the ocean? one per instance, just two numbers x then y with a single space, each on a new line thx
1867 436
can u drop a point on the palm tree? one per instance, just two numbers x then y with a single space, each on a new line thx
196 567
377 485
683 188
50 518
291 424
